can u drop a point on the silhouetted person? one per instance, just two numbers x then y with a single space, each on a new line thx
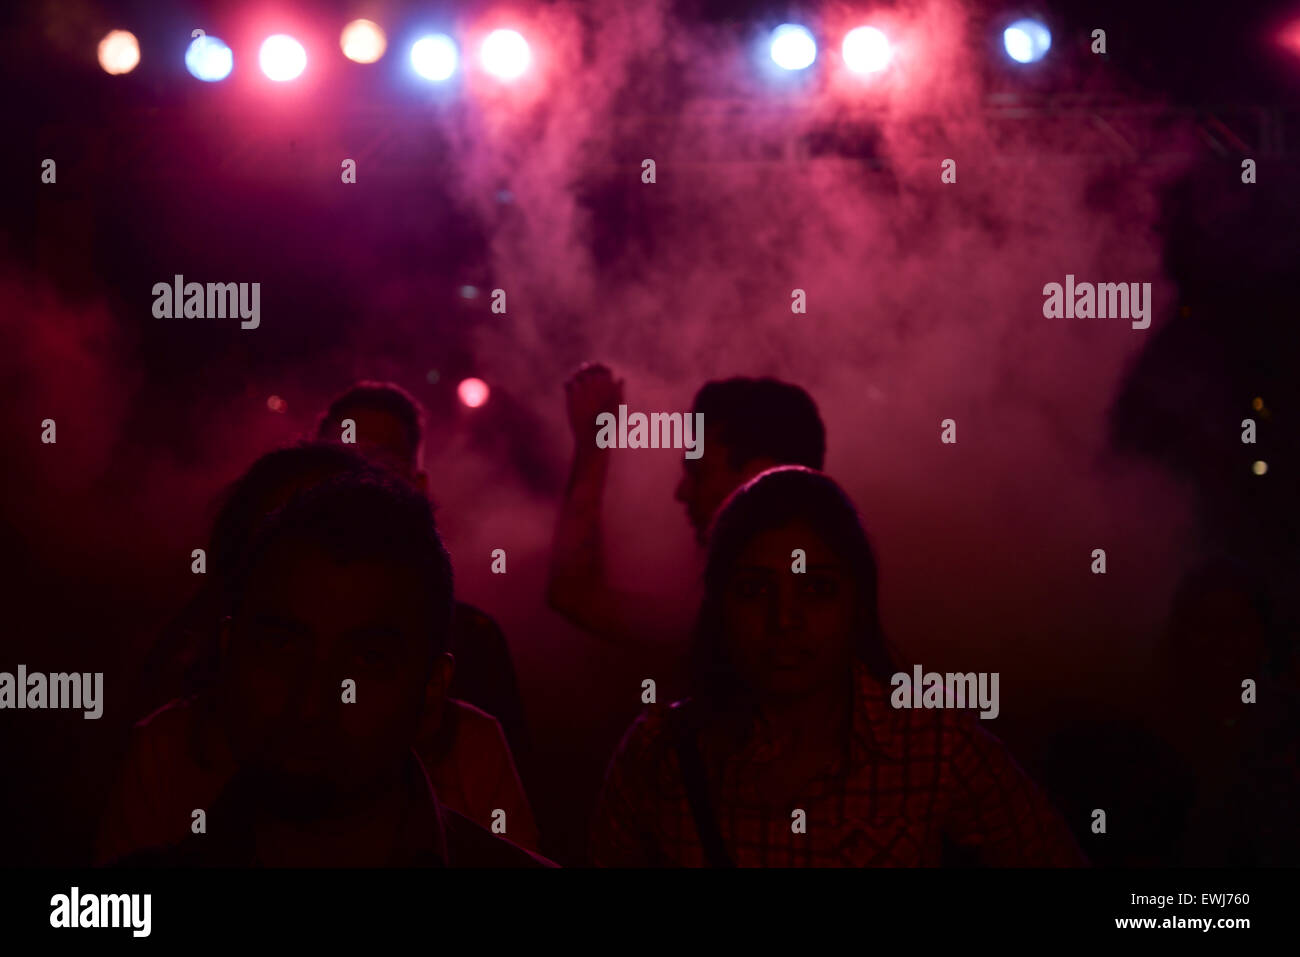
181 661
790 711
1145 788
178 757
749 425
1193 775
390 432
339 617
1244 757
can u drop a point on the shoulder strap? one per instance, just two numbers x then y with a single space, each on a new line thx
697 792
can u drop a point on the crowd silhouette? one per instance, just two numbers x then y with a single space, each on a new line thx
323 699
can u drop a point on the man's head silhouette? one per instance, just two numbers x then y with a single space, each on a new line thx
750 425
389 427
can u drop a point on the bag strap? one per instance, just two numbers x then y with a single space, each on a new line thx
697 792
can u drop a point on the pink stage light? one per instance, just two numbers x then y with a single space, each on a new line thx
282 58
473 392
505 54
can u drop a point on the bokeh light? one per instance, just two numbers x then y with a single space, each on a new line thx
1259 468
209 59
119 52
793 47
1289 37
434 57
473 392
866 50
1027 41
363 41
505 54
282 58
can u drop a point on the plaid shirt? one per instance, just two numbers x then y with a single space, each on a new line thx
913 778
430 835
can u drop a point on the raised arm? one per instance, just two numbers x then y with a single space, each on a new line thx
578 585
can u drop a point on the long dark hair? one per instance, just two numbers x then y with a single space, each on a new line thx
774 498
183 659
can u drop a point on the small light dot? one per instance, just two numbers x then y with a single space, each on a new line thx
432 377
119 52
468 292
1257 404
275 404
282 58
435 57
505 54
1259 468
473 392
363 41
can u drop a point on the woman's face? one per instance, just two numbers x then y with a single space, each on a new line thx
789 633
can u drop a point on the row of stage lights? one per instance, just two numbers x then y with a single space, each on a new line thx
505 53
436 57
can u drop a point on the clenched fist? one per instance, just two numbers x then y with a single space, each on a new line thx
590 391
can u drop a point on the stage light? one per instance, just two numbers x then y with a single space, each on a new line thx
119 52
866 50
209 59
473 392
1027 41
1290 37
434 57
363 41
505 54
793 47
282 57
